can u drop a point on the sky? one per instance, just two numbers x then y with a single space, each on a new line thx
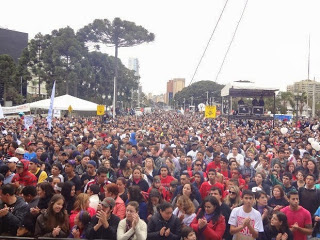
270 47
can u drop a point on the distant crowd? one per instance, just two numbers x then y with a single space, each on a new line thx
163 175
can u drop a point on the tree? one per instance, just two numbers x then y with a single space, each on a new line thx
118 34
198 91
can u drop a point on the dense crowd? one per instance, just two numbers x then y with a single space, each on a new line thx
164 175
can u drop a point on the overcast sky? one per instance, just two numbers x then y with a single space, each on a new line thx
270 48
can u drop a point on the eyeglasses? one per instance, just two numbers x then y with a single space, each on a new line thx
232 192
198 165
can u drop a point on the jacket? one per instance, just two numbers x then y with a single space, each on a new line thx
120 208
139 233
103 233
210 231
157 222
10 222
42 229
25 178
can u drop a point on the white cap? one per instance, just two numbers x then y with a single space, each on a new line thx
13 160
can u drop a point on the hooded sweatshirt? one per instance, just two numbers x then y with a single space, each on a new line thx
25 178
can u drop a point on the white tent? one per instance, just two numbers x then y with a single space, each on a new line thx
63 103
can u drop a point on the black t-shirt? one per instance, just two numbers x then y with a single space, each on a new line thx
85 177
76 180
273 202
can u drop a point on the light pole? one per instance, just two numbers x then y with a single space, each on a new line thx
184 104
207 103
191 100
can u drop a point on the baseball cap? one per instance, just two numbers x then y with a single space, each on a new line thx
108 202
93 163
31 143
13 160
35 160
20 151
20 164
72 163
248 159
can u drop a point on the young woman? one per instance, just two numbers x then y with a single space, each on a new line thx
262 207
123 191
233 199
278 227
138 180
54 221
112 190
125 169
172 168
134 194
258 182
154 200
111 175
68 191
209 224
290 167
187 190
81 222
300 180
185 210
312 169
132 227
45 192
156 184
149 170
81 204
164 223
277 201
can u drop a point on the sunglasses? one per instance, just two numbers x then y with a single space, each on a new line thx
198 164
232 192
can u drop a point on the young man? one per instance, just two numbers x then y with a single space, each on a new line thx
286 182
35 170
71 175
299 219
215 164
104 224
205 187
245 222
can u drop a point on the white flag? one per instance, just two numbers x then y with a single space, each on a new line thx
182 111
1 112
28 121
50 112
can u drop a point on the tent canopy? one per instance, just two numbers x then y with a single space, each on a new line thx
63 103
244 88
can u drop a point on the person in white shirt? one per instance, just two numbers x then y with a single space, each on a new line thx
234 154
93 192
193 152
245 222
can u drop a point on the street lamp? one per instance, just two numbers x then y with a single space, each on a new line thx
297 97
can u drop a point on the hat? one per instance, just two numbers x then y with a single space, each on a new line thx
20 165
72 163
194 143
248 159
35 160
30 143
108 202
20 151
93 163
64 154
75 153
13 160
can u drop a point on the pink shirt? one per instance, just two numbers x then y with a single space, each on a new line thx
302 216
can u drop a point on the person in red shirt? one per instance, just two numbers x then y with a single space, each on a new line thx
23 177
235 174
215 164
205 187
224 168
189 165
165 177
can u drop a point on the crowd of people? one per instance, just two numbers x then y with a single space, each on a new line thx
164 175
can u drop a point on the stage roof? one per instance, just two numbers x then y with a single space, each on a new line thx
247 89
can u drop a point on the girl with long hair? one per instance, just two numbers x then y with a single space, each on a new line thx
189 191
134 194
209 224
154 199
54 221
233 199
278 227
81 204
185 210
81 222
68 191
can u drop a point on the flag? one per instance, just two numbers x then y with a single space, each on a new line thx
1 112
210 111
50 112
182 111
28 122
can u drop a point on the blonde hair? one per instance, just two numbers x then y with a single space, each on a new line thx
237 201
80 203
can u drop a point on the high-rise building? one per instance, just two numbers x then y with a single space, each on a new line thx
307 87
173 86
133 64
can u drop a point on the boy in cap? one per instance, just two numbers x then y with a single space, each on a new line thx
104 224
35 170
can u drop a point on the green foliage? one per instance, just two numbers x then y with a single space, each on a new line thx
198 91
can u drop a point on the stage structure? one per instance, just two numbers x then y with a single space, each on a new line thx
249 91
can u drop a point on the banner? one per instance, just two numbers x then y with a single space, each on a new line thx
50 112
210 111
1 112
28 121
16 109
100 110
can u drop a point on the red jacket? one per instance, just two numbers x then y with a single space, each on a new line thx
210 231
206 186
165 182
25 178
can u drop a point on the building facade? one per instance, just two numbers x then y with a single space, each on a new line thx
173 86
306 86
